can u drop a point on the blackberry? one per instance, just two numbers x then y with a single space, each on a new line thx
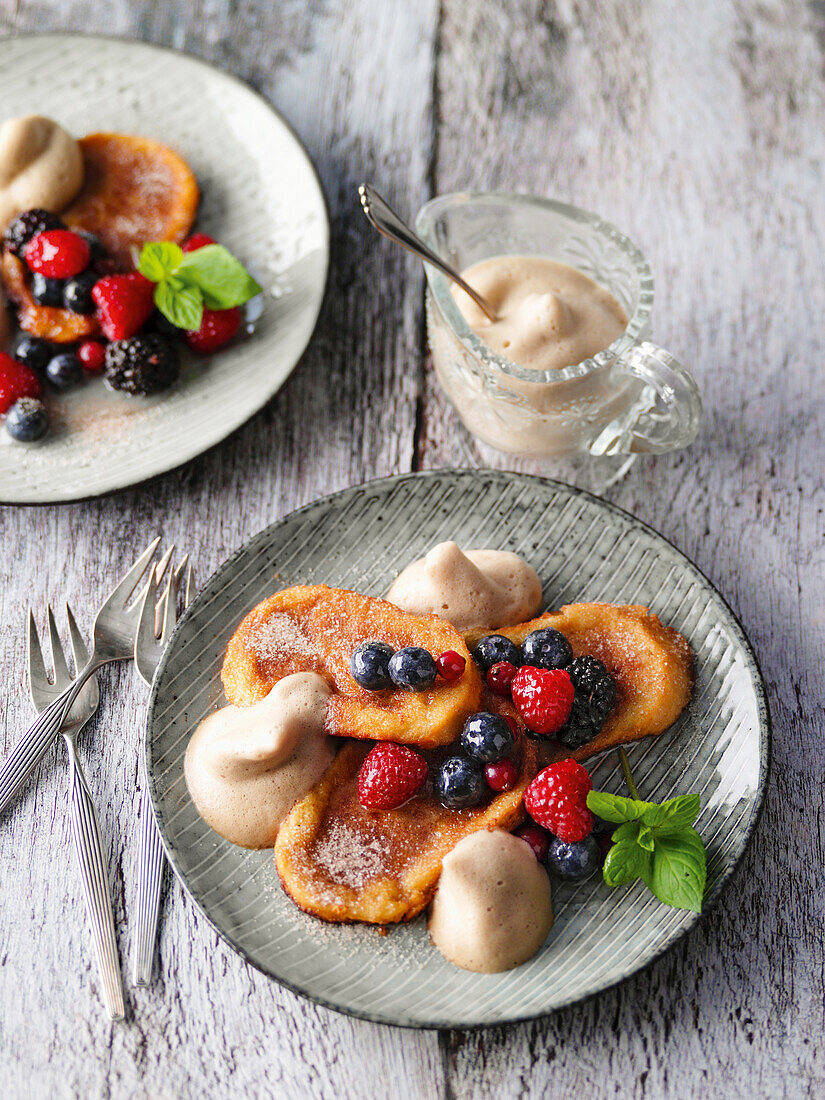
595 694
25 226
142 365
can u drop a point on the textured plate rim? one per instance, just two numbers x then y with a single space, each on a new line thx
196 451
695 919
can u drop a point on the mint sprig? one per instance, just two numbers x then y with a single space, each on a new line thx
189 282
654 842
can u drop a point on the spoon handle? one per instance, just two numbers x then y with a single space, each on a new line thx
382 216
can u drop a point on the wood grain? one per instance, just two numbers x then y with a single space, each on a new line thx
697 128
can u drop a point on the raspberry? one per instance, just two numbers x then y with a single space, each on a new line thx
499 677
16 381
557 799
502 775
543 698
27 225
92 354
124 304
57 254
196 241
217 328
450 665
390 775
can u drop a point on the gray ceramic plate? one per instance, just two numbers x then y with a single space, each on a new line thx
583 549
260 197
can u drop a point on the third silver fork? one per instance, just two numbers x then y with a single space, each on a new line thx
151 639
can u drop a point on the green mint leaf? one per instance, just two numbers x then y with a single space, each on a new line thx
645 838
222 280
615 807
628 831
654 815
679 869
681 811
625 862
180 304
159 259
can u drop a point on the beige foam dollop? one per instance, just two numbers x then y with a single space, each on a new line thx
493 908
469 588
246 767
548 314
41 164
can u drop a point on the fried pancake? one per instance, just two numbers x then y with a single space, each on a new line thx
651 663
341 862
135 190
58 326
315 629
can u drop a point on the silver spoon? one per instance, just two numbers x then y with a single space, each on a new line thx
381 215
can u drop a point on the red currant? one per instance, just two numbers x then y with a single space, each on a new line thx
499 677
513 724
92 354
451 665
502 775
537 838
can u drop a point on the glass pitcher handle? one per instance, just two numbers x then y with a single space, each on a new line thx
665 416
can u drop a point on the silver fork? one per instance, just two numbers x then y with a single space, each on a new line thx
151 638
85 827
114 634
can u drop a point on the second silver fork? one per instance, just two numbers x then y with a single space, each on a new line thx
86 834
151 638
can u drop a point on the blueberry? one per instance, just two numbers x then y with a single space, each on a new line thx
487 737
27 420
96 250
494 648
33 351
47 292
370 665
547 649
77 292
574 859
64 370
413 668
459 782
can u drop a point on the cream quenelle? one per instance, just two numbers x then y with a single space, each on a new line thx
493 908
548 314
246 767
469 588
41 165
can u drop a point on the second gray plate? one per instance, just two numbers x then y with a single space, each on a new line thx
583 549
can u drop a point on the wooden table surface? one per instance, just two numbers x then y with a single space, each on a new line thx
697 127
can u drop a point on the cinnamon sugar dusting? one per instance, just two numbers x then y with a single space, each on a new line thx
350 858
280 638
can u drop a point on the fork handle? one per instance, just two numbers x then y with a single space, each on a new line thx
150 881
89 848
36 741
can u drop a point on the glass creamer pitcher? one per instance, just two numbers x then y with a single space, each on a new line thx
632 398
